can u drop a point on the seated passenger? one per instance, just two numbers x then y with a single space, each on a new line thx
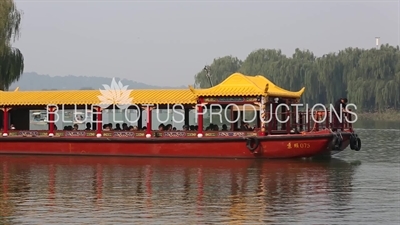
88 126
117 127
105 127
244 126
215 127
125 126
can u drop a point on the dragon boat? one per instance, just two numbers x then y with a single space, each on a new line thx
36 122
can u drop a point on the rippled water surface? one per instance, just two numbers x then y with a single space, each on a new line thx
352 188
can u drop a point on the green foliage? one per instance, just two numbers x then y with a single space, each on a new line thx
224 67
11 59
369 78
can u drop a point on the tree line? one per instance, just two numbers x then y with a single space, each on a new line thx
369 78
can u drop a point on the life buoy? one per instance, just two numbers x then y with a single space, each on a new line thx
355 142
358 144
337 142
252 143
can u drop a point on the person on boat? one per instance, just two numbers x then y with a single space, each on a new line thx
117 127
75 127
185 127
12 127
215 127
224 127
125 126
244 126
161 127
340 108
88 126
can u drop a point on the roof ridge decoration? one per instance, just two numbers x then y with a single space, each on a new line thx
275 90
238 84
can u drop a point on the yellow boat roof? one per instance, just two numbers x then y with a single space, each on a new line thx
235 85
238 84
91 97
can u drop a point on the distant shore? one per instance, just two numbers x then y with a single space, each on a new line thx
388 115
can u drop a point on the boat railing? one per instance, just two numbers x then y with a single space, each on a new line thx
308 121
129 134
296 123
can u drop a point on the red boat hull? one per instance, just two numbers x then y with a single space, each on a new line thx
273 146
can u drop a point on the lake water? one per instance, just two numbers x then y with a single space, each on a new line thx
352 188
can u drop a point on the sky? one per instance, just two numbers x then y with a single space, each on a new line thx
168 42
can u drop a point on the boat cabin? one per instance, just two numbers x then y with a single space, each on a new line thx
239 106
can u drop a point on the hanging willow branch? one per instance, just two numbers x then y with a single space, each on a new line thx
11 59
11 67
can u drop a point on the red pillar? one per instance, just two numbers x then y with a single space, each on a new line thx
51 121
275 116
262 117
148 125
99 118
200 120
5 121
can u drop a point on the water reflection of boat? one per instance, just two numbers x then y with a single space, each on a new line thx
248 190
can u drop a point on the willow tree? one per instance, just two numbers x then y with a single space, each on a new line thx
11 59
369 78
220 69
